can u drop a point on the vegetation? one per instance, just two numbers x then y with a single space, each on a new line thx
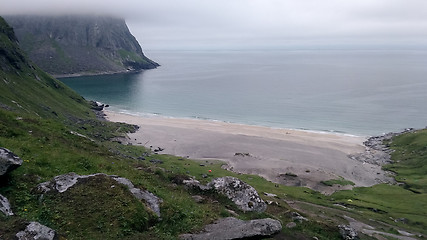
131 56
410 160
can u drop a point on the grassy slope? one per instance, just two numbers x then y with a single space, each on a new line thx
410 160
392 203
39 132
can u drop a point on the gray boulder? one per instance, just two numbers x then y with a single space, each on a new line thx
63 182
297 217
347 232
36 231
5 206
8 161
242 194
152 201
232 228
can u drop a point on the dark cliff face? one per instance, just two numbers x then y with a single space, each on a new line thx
63 45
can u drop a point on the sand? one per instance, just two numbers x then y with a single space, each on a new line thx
290 157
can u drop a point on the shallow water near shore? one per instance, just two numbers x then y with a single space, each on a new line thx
352 92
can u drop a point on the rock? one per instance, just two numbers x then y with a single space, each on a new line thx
233 228
198 198
404 233
36 231
297 217
402 220
270 194
242 194
60 183
291 225
377 152
63 182
347 232
193 183
97 106
5 206
151 200
8 161
156 161
233 213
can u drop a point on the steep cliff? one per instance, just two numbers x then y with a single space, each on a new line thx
80 45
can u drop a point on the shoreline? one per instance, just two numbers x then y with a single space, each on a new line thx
73 75
284 156
159 116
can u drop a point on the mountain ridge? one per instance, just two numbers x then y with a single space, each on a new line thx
73 45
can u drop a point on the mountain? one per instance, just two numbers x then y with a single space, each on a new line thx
79 45
26 89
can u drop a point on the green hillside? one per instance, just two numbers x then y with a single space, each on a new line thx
25 89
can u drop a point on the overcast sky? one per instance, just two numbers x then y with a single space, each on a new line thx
239 24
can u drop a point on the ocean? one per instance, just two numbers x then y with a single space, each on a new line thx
342 91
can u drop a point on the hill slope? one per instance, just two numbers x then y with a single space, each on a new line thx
65 45
24 88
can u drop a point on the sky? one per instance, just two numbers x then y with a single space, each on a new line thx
254 24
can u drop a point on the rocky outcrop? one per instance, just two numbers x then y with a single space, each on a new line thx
377 150
63 182
242 194
8 161
347 232
5 206
152 201
66 45
36 231
232 228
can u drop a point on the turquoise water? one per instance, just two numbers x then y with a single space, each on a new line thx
353 92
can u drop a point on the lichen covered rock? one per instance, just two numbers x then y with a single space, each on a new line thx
242 194
36 231
8 161
5 206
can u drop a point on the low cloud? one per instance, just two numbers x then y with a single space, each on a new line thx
253 23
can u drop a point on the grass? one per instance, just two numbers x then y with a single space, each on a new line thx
48 149
130 56
410 160
387 203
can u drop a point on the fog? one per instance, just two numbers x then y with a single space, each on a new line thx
255 24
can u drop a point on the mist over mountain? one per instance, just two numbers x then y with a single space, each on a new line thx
79 44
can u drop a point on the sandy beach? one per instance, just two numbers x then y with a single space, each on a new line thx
290 157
